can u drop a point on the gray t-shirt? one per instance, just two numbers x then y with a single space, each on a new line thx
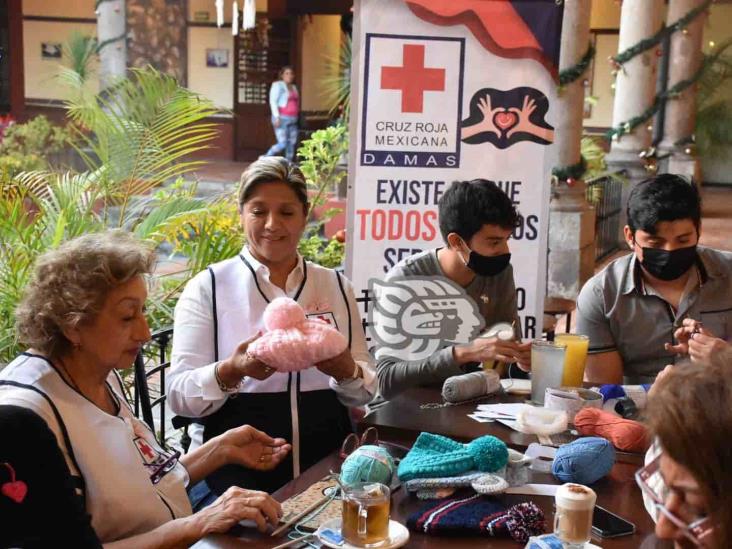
495 297
620 313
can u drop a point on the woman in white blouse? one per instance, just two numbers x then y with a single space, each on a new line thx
220 313
83 317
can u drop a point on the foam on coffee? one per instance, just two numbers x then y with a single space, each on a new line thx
573 515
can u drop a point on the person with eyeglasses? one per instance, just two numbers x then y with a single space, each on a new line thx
688 486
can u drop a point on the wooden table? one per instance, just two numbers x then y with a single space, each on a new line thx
617 492
401 420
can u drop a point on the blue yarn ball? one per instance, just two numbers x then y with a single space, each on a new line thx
489 453
584 461
368 464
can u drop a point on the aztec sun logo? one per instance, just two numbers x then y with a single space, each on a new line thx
414 317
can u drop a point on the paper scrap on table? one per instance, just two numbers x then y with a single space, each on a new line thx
480 419
534 489
510 409
503 413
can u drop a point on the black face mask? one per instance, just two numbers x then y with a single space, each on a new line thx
667 265
487 265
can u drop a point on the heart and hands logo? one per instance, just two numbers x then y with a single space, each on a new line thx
507 117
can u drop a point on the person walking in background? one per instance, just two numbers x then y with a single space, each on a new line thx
284 102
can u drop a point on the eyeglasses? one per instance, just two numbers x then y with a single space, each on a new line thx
651 483
351 442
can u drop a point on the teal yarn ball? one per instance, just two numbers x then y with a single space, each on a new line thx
368 464
489 453
584 461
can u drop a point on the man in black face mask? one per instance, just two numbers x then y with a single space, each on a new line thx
641 309
476 220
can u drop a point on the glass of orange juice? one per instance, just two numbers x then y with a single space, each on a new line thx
575 359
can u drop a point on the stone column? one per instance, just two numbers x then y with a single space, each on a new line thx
111 25
685 59
571 219
635 90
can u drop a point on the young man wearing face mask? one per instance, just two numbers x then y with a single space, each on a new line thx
634 311
476 220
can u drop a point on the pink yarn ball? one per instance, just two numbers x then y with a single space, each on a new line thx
283 313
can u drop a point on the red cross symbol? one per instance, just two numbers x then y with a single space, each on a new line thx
146 450
413 78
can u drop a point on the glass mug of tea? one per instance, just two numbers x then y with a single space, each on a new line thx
366 514
574 504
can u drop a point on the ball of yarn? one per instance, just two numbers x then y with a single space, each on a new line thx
625 434
584 461
368 464
282 313
472 385
489 453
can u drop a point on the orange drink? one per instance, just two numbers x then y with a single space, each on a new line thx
575 359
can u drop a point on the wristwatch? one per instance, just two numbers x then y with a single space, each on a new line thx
233 391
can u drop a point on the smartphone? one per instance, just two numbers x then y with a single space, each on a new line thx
609 525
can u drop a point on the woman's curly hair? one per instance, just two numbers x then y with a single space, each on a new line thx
70 284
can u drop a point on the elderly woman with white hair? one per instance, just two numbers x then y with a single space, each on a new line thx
83 317
221 312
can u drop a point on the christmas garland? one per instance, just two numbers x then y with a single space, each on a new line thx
660 36
105 43
570 174
658 103
569 75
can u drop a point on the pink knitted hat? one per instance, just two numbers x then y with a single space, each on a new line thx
292 341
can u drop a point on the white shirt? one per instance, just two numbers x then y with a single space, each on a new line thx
132 485
192 387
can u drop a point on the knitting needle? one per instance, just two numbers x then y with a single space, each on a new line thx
295 541
287 525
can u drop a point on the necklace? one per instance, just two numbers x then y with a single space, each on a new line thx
71 379
76 386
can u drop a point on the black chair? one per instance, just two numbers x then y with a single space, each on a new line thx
155 352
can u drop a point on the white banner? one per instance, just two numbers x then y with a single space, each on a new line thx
446 90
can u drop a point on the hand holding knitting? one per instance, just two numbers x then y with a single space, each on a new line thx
240 364
688 327
492 348
695 340
340 367
703 346
234 505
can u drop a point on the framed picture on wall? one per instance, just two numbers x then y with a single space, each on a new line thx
50 50
217 58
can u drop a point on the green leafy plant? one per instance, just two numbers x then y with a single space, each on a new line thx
713 130
137 143
319 157
79 51
29 145
134 141
319 162
337 83
594 155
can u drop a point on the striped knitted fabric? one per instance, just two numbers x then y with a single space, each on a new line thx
477 515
